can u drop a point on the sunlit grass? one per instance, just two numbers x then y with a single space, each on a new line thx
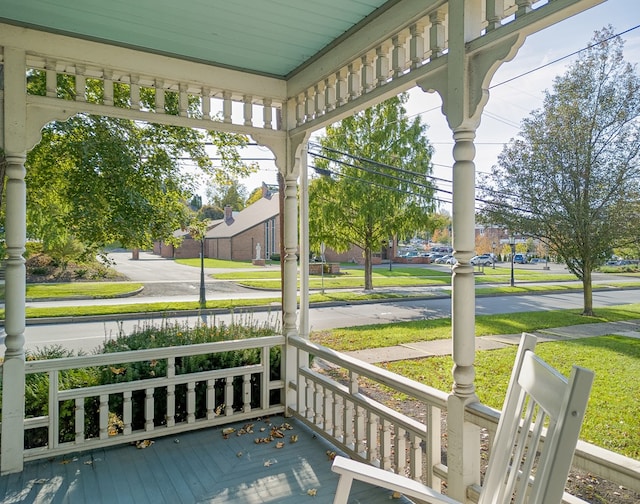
216 263
382 335
612 419
81 289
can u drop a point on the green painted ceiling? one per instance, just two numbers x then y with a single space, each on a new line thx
272 37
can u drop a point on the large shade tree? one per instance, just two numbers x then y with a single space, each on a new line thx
101 180
572 178
374 181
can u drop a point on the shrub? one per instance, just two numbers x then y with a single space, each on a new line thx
148 336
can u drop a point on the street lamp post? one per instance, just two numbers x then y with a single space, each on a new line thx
493 255
203 300
512 242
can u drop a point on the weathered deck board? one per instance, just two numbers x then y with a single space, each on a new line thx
196 467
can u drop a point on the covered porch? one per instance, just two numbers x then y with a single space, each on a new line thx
277 86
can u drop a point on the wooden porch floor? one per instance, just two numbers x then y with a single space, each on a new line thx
196 467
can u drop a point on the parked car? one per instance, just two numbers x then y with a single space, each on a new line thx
536 260
520 259
482 260
443 259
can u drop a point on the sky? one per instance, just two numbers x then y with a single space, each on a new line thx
511 102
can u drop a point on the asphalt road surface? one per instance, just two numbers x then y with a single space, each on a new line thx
87 336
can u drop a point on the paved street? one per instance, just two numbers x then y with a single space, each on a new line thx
171 279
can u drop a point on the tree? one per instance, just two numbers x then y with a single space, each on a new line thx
572 178
374 185
102 180
255 195
229 192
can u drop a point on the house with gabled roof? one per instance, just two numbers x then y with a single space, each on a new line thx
240 235
236 236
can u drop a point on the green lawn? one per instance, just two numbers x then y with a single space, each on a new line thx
612 419
382 335
216 263
81 289
399 276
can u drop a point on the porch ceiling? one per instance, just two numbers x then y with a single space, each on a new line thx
266 37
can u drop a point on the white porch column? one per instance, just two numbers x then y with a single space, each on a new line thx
463 85
303 326
14 116
290 158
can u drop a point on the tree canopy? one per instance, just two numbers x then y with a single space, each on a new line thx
373 182
102 180
572 177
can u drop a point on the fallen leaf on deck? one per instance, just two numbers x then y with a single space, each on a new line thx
331 454
312 492
396 495
279 444
145 443
294 438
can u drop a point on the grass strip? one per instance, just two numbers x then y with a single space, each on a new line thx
612 419
81 289
383 335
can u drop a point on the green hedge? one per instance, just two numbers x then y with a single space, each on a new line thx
149 336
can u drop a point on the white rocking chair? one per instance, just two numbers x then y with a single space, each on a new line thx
537 394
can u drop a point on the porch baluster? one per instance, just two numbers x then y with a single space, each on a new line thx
398 56
171 406
416 45
385 446
338 412
267 113
318 96
366 74
400 451
159 97
415 457
329 94
81 84
309 414
265 378
341 88
246 393
382 65
104 416
318 404
226 107
309 105
51 79
372 437
79 419
107 82
205 103
247 110
228 396
148 409
328 406
127 412
211 399
360 431
191 402
183 100
437 34
134 93
353 81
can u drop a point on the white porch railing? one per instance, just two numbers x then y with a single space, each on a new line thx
330 403
138 409
369 431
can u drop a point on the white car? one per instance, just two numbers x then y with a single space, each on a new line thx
482 260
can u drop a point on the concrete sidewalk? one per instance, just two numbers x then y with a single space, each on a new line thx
421 349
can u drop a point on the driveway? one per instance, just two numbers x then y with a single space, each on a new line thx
165 277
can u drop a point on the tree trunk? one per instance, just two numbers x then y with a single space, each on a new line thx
588 293
368 266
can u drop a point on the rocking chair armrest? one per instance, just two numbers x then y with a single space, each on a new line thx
353 470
